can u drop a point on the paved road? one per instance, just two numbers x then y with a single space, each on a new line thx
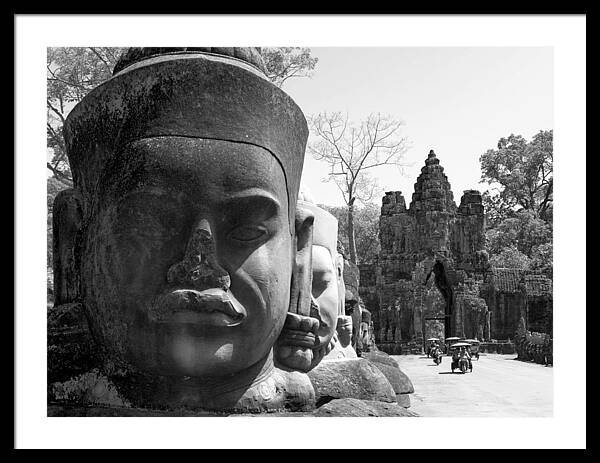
499 386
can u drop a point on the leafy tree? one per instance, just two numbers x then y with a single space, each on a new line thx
283 63
353 149
511 257
524 231
71 73
519 206
522 175
542 258
366 229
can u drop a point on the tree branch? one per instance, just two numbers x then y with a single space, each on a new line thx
60 175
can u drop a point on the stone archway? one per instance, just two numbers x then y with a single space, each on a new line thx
445 289
434 309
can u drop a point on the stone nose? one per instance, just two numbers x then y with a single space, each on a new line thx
199 269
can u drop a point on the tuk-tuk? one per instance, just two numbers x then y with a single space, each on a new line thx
457 362
474 349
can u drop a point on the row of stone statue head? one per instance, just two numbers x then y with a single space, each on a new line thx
199 263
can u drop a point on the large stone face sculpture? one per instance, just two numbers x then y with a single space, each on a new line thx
328 289
191 256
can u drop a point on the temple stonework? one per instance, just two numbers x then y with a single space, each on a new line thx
432 277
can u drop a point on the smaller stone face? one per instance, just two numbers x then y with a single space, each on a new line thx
325 294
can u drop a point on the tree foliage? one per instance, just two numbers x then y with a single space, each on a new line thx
71 73
511 257
524 231
283 63
366 229
519 204
351 150
521 176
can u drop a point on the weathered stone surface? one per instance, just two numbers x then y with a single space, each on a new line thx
163 155
79 411
355 407
379 357
403 400
354 378
336 408
397 378
71 348
67 216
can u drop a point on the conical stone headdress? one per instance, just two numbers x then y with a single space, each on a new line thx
210 93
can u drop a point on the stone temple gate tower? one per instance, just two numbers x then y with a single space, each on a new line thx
428 276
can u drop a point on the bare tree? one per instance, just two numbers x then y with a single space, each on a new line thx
352 150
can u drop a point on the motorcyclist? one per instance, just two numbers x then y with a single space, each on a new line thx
433 348
433 351
465 353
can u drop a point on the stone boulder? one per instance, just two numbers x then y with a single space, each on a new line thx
379 357
403 400
350 378
355 407
396 377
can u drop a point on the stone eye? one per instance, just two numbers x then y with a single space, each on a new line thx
248 233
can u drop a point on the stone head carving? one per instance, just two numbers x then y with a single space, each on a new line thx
344 322
328 289
187 167
325 303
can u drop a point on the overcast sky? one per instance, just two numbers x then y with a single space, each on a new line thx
456 101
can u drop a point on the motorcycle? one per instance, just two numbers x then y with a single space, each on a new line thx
463 364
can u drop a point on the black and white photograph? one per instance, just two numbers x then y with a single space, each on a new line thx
349 231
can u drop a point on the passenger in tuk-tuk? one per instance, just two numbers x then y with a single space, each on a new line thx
465 353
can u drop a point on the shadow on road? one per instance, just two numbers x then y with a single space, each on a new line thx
447 373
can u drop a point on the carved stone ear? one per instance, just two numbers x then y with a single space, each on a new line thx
67 218
294 349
